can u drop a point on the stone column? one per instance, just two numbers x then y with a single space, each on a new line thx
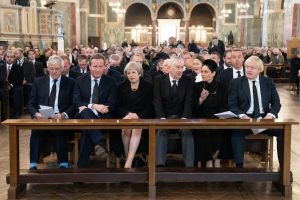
295 21
242 32
154 27
187 32
99 21
75 24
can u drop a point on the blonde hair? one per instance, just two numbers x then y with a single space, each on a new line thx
257 62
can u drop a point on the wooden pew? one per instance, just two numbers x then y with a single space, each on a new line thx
279 67
17 179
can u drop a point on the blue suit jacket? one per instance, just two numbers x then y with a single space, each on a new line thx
239 98
107 93
40 95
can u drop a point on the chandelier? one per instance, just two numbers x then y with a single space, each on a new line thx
120 11
114 4
226 13
116 7
243 7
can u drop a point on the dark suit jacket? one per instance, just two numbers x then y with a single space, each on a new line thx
162 100
40 95
226 76
118 78
39 69
74 75
139 101
220 48
29 71
3 74
3 83
239 98
16 75
78 70
107 93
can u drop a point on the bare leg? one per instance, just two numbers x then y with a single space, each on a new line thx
134 143
126 139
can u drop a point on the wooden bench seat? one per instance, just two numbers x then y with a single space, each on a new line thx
151 174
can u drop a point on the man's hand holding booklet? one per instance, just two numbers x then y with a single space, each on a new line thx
229 114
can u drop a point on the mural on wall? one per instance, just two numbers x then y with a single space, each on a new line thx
10 22
275 24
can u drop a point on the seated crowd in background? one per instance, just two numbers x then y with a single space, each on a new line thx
133 82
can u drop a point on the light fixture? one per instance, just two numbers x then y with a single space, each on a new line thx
116 7
114 4
243 7
226 13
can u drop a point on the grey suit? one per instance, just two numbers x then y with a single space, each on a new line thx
165 108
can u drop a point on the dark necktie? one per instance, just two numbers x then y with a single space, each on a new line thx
20 62
8 71
174 89
95 92
239 74
256 111
52 94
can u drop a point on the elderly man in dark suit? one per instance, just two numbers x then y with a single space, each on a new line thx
216 45
56 91
173 98
95 98
253 96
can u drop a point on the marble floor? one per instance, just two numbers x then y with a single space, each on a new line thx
224 191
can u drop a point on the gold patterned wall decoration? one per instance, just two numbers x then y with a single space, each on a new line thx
9 21
45 23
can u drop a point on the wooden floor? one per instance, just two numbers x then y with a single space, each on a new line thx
224 191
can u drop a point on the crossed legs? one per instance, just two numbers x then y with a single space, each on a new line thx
131 139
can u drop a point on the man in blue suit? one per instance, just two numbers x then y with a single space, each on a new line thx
56 91
253 96
95 98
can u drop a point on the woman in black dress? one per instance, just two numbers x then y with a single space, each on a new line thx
209 100
134 102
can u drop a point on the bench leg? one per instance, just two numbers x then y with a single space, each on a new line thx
285 183
151 163
108 150
14 186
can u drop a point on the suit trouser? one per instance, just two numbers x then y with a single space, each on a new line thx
16 93
88 139
37 140
27 92
238 143
187 141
